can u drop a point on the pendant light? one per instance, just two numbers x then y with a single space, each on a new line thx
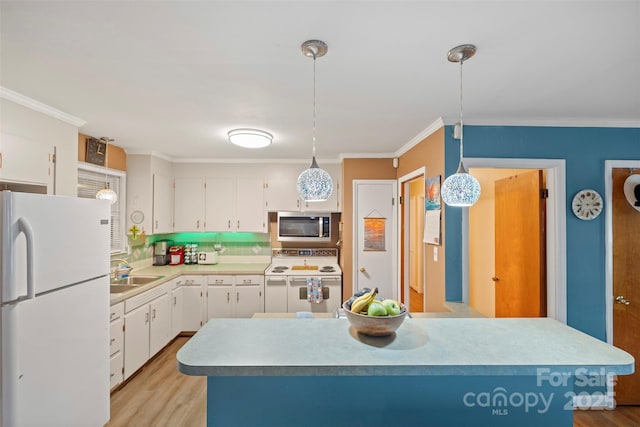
106 193
314 184
460 189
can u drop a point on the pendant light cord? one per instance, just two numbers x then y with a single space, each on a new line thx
314 104
461 125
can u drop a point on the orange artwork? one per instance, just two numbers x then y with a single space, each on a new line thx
374 234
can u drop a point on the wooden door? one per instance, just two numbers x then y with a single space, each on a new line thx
626 284
520 274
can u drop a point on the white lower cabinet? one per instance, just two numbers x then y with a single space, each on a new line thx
147 327
116 345
192 302
176 309
235 296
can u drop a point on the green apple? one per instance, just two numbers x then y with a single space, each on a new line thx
376 309
392 307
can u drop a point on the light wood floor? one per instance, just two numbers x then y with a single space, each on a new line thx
159 395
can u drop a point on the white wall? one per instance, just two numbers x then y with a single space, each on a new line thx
32 125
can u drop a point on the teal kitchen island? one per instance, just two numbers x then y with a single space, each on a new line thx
431 372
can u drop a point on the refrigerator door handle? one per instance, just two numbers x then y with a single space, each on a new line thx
25 227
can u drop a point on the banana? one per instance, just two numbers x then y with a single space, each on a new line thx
362 302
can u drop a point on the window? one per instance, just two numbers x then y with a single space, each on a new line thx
91 180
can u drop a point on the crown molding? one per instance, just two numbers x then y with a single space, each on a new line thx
433 127
38 106
366 156
568 123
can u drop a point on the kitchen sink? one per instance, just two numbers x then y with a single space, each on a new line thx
135 280
118 289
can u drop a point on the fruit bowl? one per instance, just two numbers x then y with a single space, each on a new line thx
377 326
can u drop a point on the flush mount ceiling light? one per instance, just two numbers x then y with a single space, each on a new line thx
106 193
460 189
314 184
250 138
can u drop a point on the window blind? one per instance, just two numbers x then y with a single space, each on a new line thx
89 183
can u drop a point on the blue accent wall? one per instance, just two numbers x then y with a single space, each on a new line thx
585 151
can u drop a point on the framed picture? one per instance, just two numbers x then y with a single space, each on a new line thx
374 234
96 151
432 196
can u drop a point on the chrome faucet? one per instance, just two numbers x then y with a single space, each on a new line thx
122 270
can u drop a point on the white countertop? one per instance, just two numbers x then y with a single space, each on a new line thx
421 346
170 272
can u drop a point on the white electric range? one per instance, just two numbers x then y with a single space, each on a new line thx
286 280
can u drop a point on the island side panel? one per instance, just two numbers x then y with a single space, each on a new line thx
455 401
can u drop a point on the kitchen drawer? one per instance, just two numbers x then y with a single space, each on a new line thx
146 297
116 374
116 311
220 280
116 337
189 280
249 280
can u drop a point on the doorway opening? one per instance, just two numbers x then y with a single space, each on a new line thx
554 170
507 244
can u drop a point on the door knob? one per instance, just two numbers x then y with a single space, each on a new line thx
622 300
495 278
362 270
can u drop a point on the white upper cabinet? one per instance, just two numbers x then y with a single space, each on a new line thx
281 192
26 160
250 213
282 195
189 208
235 204
220 203
162 204
149 193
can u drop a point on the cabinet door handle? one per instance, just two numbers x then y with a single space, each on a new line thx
229 225
228 297
112 375
238 224
298 203
156 224
198 224
153 313
146 318
175 300
246 281
237 296
112 340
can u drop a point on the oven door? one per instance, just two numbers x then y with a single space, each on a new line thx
331 295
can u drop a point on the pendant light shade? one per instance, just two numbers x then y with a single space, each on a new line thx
106 193
314 184
460 189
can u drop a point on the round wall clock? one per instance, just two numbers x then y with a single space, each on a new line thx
587 204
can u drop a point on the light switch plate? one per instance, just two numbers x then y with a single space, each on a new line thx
435 253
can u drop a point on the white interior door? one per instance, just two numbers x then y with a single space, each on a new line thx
375 236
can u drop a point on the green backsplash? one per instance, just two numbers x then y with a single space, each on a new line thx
236 244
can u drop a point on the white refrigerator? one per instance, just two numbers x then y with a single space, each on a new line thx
54 292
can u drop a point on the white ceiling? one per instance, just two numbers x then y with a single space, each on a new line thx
173 77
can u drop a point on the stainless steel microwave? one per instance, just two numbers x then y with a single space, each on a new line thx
304 226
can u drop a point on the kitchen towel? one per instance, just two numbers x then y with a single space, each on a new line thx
314 290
